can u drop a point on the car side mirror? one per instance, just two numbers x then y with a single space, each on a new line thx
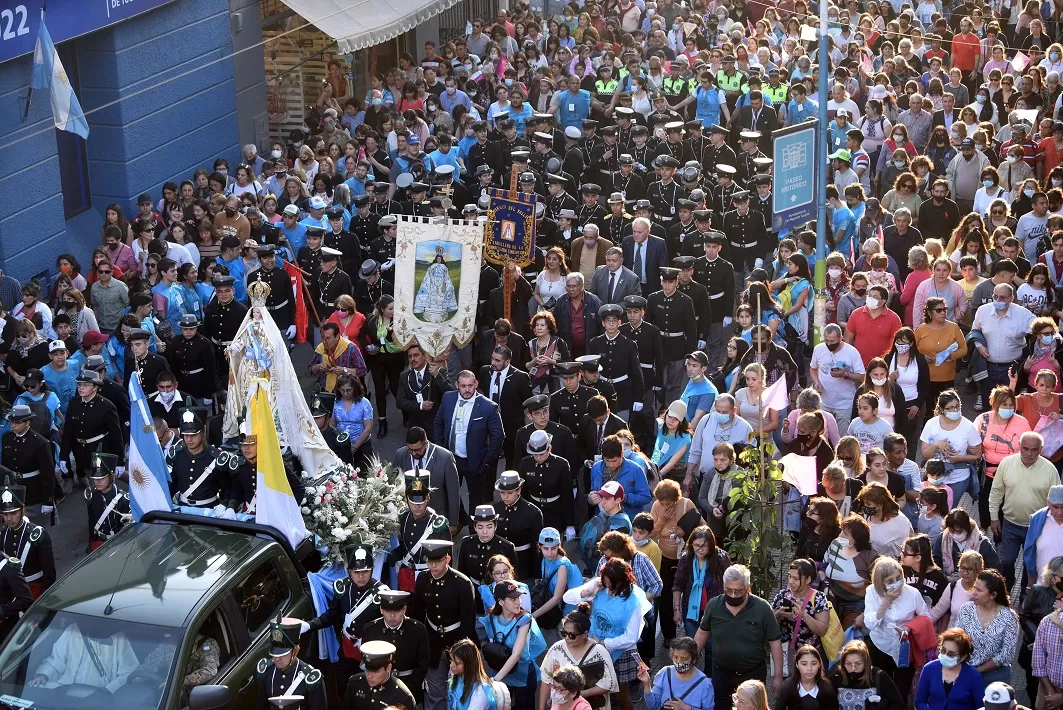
210 697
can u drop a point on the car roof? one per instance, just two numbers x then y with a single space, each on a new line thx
155 573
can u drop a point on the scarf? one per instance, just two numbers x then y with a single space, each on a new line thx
330 360
973 542
1040 351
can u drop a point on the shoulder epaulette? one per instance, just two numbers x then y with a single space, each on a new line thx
340 586
439 521
342 437
36 533
15 562
313 678
88 494
263 666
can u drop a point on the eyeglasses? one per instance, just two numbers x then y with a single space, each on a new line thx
101 272
941 309
570 635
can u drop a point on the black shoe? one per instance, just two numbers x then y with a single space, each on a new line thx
382 428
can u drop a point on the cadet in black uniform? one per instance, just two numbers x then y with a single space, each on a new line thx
377 688
626 179
26 542
287 674
760 201
747 236
382 205
108 506
482 545
519 521
417 524
718 153
509 142
321 406
363 226
647 338
619 360
590 212
718 276
91 424
15 596
697 143
332 282
352 606
537 409
382 249
698 294
242 490
569 404
617 219
694 244
280 301
445 601
683 230
221 320
672 147
30 457
642 153
673 313
308 259
408 636
542 151
111 391
605 156
591 371
196 478
665 194
371 286
548 482
558 199
722 200
343 241
138 359
192 359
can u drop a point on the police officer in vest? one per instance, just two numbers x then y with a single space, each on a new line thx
108 507
569 404
30 457
673 313
619 361
604 87
284 674
196 479
353 605
445 601
26 542
676 86
519 521
548 482
408 636
321 405
778 92
377 688
418 524
731 81
647 339
718 276
698 294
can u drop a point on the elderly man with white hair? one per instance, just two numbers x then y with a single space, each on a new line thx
740 625
645 254
720 425
1020 488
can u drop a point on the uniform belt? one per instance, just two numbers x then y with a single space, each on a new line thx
444 629
193 372
545 500
205 501
28 474
714 296
647 366
404 674
614 380
223 343
522 548
93 440
282 304
34 577
680 334
747 245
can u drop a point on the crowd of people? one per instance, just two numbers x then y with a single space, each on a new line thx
597 419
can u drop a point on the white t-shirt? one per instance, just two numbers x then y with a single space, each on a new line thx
907 379
888 538
960 439
870 436
838 392
1032 299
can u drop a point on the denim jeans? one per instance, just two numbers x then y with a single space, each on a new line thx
1012 538
961 487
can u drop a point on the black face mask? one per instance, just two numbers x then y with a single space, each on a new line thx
833 347
859 293
734 601
1059 585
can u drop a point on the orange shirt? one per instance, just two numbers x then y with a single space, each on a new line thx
965 51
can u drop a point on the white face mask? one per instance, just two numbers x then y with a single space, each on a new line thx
557 697
878 381
275 154
167 397
872 303
834 272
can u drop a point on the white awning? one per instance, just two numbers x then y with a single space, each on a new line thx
357 24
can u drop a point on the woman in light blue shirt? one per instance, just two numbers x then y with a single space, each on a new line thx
681 681
353 415
673 441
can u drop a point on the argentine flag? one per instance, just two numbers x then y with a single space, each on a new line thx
48 73
149 479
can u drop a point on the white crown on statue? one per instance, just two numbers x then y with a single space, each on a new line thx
258 292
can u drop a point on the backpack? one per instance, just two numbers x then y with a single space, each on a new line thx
540 595
163 328
592 532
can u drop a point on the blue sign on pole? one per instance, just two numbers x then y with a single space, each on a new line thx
20 20
794 188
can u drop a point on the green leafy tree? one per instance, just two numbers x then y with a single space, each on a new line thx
754 537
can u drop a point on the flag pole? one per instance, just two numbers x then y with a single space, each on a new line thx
763 384
29 93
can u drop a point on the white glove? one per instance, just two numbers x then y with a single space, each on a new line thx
570 533
127 518
64 467
119 471
303 627
658 389
290 333
388 265
727 320
47 509
757 263
636 407
701 345
206 401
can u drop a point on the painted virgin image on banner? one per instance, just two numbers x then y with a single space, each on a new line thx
436 300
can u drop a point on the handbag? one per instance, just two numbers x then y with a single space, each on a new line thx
495 651
540 595
834 639
593 672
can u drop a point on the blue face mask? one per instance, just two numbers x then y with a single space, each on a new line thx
1028 192
1000 305
1006 413
1048 339
948 661
953 416
980 99
722 418
988 183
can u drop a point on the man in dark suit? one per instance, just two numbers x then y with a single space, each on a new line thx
421 388
508 387
470 426
948 114
422 455
645 254
585 305
613 281
501 335
755 116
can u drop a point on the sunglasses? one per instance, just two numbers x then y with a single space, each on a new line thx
571 636
939 310
101 271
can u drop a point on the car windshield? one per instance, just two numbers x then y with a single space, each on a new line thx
63 661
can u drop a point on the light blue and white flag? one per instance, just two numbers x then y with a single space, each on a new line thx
149 479
48 73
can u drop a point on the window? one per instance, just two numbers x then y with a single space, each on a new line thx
73 158
261 595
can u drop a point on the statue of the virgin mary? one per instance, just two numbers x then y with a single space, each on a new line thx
436 300
260 351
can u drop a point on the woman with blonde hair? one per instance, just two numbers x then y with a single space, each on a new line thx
851 457
889 605
750 695
347 317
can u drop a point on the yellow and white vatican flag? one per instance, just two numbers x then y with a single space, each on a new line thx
276 504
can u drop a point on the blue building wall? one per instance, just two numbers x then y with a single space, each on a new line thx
160 99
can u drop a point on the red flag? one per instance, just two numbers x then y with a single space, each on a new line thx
302 318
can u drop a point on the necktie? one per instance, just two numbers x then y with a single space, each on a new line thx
498 386
755 117
418 379
601 435
612 284
637 266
